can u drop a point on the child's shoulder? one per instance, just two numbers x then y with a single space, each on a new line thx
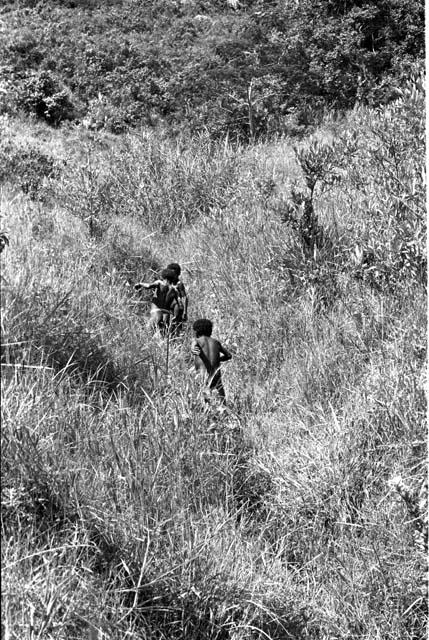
180 286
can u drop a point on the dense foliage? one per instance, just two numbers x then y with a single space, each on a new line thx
248 68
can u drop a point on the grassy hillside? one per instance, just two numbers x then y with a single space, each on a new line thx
128 511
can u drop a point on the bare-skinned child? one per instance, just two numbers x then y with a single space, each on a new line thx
164 299
180 312
208 356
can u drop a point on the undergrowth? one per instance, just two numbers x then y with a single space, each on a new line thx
130 508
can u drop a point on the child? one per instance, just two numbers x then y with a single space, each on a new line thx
181 311
164 299
208 355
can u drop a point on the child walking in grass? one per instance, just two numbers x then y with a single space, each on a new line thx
208 355
182 298
164 300
180 312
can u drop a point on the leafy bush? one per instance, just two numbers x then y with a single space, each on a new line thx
102 114
387 174
41 94
382 180
247 69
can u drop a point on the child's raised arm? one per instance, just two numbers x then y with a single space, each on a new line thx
146 285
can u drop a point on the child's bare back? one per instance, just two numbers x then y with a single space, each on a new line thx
163 301
208 355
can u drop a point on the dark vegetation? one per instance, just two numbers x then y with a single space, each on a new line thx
252 68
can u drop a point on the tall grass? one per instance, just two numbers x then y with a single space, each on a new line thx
132 509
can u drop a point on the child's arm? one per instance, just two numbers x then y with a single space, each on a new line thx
185 305
224 354
146 285
184 297
197 350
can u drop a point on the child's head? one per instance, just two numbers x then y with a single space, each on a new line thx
203 327
175 267
169 275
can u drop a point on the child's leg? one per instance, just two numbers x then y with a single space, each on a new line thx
176 319
155 320
216 384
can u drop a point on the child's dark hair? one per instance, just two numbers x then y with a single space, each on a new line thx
203 327
175 267
170 275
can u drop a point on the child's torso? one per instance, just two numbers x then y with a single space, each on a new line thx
210 347
164 296
181 293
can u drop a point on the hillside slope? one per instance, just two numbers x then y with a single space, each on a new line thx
250 69
128 509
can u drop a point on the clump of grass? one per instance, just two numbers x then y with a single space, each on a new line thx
150 535
160 183
28 168
51 314
127 254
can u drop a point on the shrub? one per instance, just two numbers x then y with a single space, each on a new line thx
86 192
41 94
102 114
390 164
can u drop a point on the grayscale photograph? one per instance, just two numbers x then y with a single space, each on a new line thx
213 320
